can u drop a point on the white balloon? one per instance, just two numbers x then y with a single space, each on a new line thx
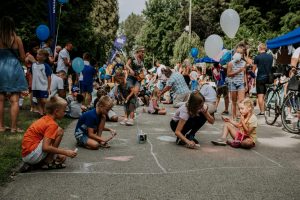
213 45
230 22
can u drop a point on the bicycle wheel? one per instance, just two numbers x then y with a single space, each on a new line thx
272 102
289 113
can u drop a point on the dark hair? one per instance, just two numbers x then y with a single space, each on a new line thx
195 102
167 72
7 30
87 56
79 98
101 93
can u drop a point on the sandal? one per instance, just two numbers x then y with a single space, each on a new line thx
53 165
225 113
17 130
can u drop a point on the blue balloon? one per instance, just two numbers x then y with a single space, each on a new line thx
42 32
63 1
194 52
78 64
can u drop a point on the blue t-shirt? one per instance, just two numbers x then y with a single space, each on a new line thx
87 120
264 63
102 71
88 73
222 80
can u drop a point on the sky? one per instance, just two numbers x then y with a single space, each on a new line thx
126 7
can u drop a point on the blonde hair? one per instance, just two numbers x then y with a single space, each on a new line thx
44 52
262 46
105 101
155 93
54 103
247 102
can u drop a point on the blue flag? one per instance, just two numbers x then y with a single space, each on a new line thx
52 19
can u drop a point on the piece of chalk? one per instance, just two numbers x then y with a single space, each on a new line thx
76 150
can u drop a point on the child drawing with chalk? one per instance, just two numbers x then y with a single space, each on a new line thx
91 124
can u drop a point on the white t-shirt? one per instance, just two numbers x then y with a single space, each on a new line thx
209 93
296 55
60 62
182 113
57 83
160 75
194 75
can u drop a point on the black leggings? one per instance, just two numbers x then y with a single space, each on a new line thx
191 126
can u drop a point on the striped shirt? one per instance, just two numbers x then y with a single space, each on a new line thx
238 78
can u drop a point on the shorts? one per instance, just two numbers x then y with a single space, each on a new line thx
39 94
36 156
82 140
86 88
261 86
233 87
132 82
222 91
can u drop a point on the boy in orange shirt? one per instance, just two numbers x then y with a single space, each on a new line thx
41 140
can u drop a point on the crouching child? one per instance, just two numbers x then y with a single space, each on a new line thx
40 145
91 124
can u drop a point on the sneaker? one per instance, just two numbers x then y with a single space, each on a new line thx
225 112
260 114
130 122
196 141
123 122
220 142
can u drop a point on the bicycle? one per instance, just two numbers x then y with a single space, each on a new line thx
273 100
290 112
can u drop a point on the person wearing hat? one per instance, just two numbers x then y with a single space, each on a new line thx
72 97
135 67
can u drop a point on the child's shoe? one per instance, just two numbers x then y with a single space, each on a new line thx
130 122
124 121
219 142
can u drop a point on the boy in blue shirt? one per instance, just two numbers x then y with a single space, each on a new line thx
91 124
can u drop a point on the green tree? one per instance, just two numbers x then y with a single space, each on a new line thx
104 19
161 30
183 47
131 27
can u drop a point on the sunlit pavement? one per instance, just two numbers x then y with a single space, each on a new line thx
159 169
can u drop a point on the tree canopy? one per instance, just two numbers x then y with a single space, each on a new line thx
90 25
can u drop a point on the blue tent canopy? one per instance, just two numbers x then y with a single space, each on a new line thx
284 40
205 60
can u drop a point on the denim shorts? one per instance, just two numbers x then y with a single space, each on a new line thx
82 140
233 87
39 94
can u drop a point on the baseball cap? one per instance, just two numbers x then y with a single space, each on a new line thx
75 89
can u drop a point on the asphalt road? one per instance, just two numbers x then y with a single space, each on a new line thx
159 169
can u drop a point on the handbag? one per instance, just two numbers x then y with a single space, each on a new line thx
294 84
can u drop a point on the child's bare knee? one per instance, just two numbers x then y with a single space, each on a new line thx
60 132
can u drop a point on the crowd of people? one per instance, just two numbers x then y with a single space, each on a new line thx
56 91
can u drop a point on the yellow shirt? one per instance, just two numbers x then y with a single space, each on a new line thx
251 123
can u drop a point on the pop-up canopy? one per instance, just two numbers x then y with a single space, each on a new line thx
285 40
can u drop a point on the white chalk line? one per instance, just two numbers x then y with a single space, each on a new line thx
149 173
155 158
269 159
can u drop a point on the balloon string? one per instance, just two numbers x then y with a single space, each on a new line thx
58 26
